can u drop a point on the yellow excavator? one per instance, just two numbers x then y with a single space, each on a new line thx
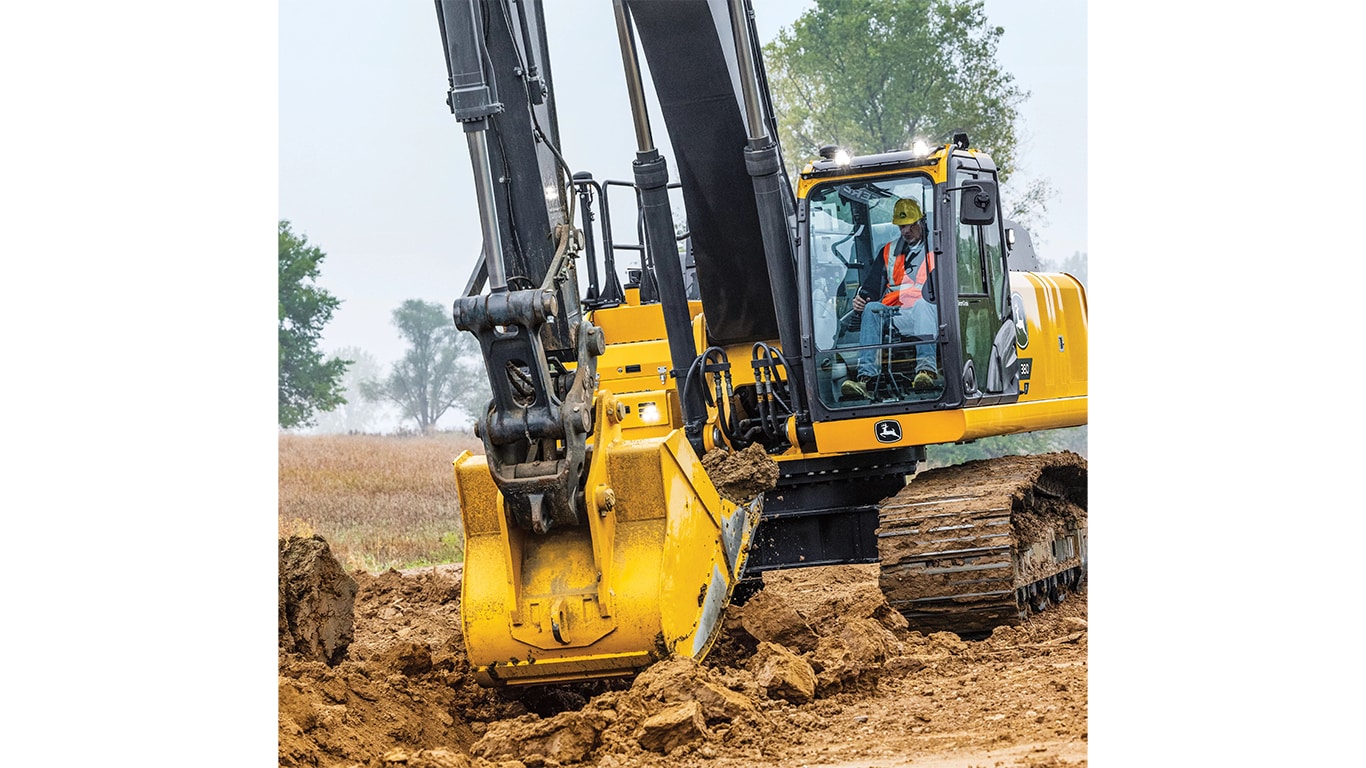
596 538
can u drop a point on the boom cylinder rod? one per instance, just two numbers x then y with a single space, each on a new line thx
635 89
661 249
764 164
754 116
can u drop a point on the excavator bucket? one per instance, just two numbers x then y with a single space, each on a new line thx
647 577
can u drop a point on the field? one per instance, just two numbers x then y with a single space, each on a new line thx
381 502
814 670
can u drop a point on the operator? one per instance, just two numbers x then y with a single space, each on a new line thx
899 276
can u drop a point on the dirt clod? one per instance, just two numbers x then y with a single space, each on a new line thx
783 674
674 727
770 619
741 475
317 600
565 738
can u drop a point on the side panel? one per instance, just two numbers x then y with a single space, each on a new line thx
1052 342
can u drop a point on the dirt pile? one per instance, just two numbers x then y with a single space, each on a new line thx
403 687
814 669
316 600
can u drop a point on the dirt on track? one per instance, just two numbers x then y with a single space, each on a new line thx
814 670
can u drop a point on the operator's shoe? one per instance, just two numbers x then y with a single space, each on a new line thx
923 380
855 388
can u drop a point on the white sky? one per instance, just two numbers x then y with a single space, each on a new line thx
375 170
146 156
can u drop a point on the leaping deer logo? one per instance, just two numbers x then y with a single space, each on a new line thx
887 431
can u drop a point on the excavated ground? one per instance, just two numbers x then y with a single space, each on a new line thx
814 670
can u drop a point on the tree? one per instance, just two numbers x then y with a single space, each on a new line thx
309 383
356 414
441 369
1074 265
874 75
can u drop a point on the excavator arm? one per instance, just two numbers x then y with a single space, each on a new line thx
589 553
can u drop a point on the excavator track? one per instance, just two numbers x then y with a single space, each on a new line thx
971 547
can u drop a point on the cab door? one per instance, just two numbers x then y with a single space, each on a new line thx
986 328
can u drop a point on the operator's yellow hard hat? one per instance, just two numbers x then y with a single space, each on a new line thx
907 211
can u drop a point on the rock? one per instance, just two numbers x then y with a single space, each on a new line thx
719 703
565 738
784 675
408 658
771 619
679 679
438 758
854 655
674 727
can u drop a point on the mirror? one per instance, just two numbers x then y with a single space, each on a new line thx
977 205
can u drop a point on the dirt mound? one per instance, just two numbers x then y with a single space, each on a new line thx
814 668
316 600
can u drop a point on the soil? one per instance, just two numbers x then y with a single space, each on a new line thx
741 475
813 670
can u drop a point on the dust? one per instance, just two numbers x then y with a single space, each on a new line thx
816 667
741 475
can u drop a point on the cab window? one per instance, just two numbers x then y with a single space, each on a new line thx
873 356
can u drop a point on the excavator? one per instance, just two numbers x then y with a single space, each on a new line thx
597 540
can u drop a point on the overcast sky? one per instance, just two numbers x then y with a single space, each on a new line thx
375 170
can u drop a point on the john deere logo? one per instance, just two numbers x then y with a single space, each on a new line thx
1017 307
887 431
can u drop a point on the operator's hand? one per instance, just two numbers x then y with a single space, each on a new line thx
860 303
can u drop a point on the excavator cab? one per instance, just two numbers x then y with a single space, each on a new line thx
949 344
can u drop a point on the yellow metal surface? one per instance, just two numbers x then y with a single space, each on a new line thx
937 171
853 435
647 576
635 322
1056 348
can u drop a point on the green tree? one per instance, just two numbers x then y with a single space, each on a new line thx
309 382
874 75
441 369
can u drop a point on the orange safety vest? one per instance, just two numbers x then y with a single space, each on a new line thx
900 291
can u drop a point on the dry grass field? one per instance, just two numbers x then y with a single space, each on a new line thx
380 501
